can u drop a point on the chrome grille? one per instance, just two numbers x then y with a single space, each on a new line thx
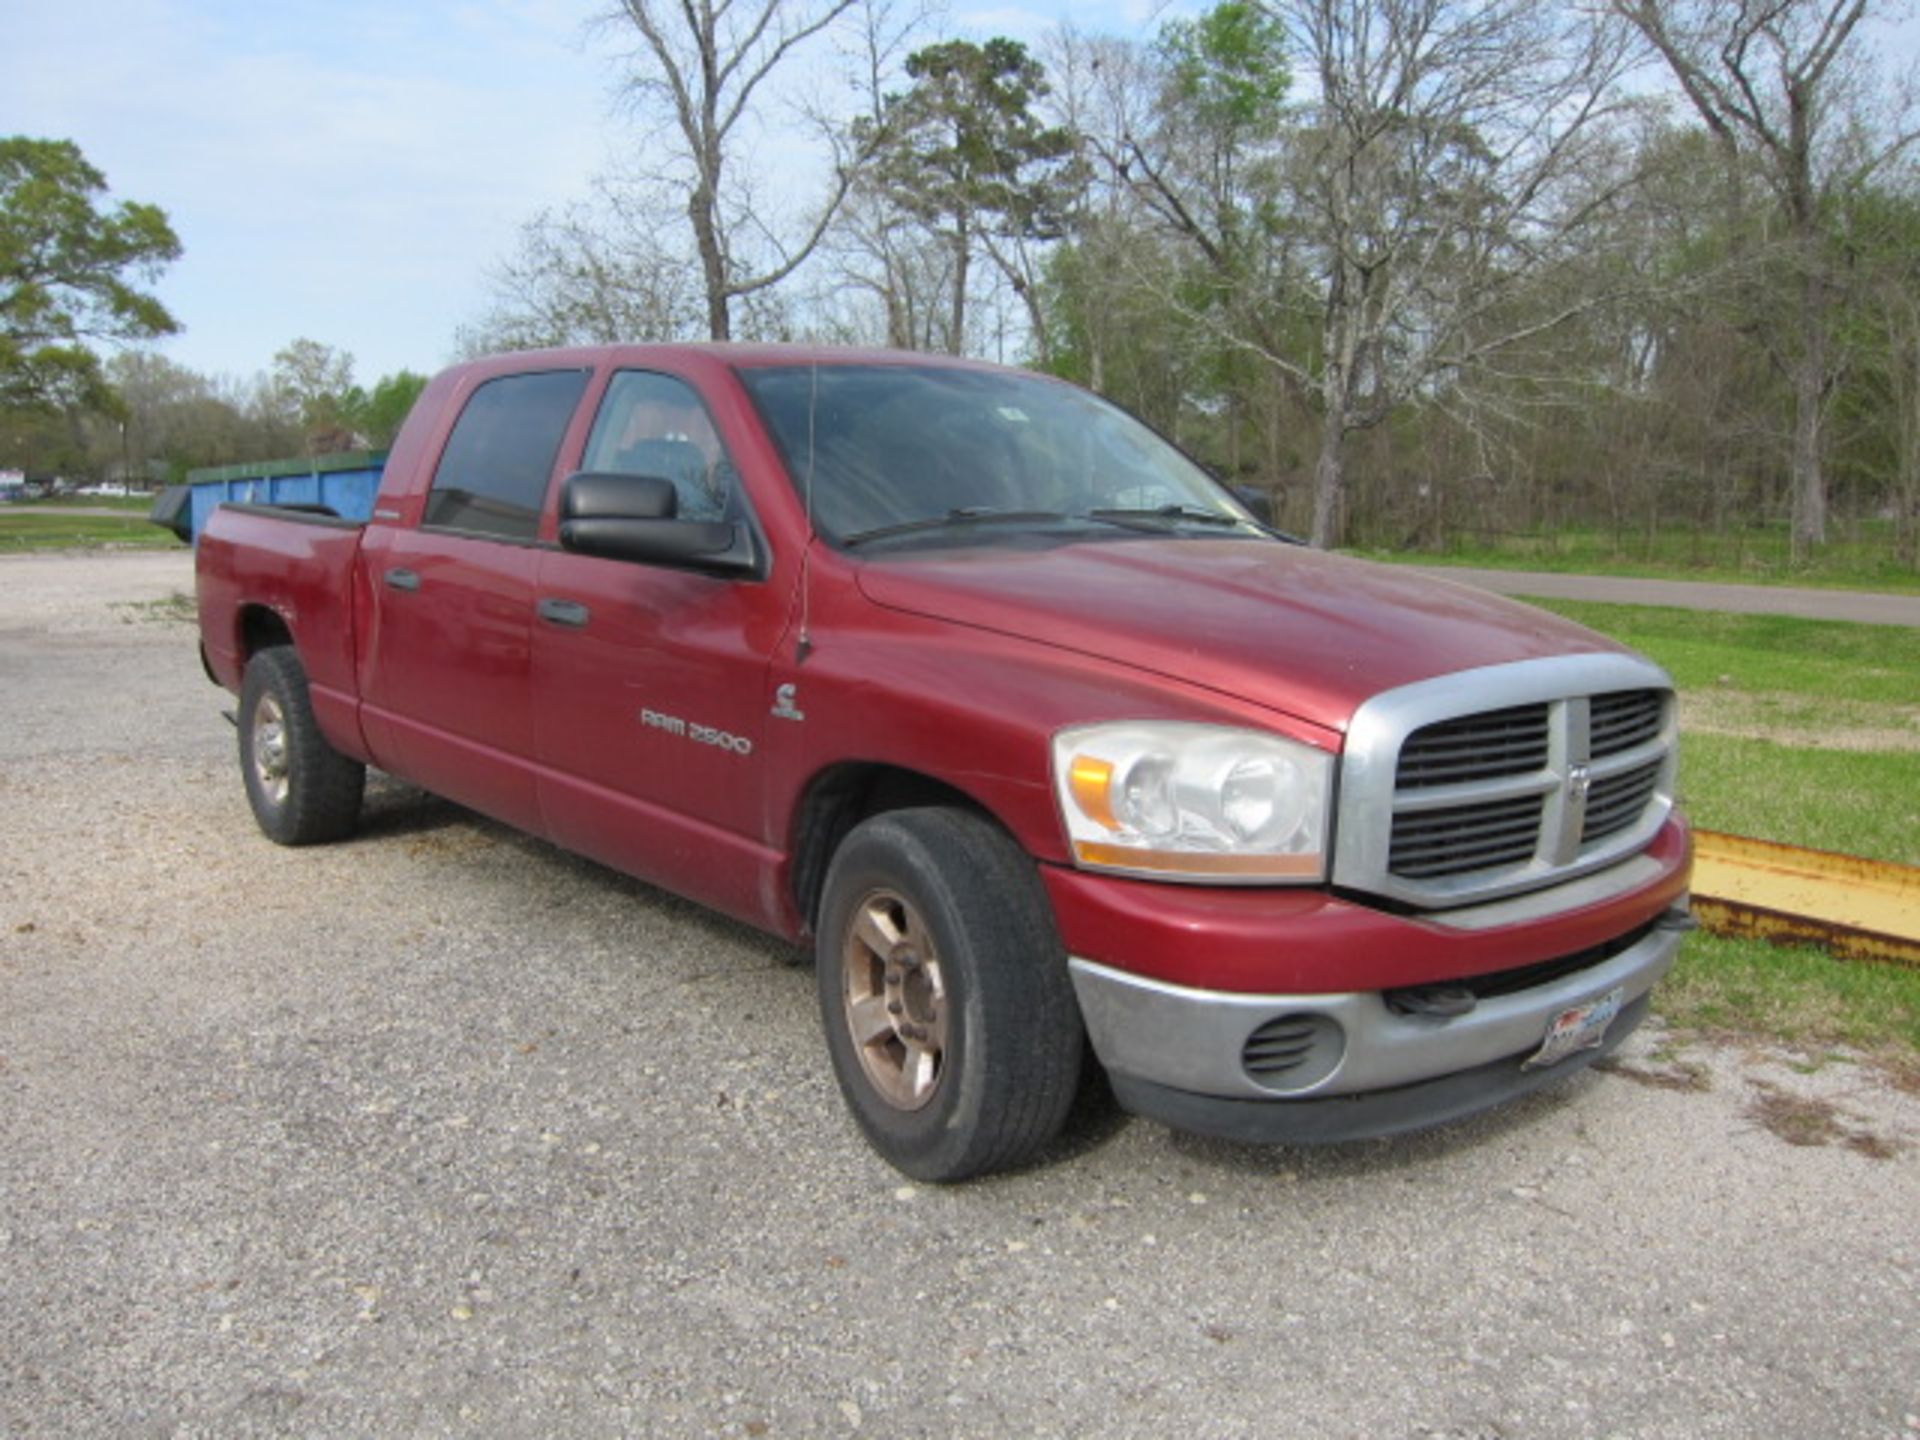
1504 779
1615 801
1475 747
1465 837
1624 719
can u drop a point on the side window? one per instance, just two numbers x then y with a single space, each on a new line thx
655 425
492 477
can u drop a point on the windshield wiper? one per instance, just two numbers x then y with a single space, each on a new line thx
1186 514
964 515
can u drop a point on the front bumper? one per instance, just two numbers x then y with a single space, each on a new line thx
1360 1117
1203 1059
1287 941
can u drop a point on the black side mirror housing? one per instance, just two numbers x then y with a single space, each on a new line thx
1258 500
635 517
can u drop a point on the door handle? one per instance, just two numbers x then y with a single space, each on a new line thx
564 612
403 579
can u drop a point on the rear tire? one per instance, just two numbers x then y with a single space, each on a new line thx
944 995
302 790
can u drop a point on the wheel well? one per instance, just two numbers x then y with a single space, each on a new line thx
261 628
838 800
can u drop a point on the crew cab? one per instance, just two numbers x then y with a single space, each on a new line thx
984 691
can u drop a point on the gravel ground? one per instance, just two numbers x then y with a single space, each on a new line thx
444 1131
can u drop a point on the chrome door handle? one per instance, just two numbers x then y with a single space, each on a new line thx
564 612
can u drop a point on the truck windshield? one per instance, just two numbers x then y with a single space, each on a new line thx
936 455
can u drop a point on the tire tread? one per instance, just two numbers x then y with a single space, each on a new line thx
325 788
1032 1040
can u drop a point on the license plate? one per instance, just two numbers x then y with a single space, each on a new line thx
1577 1028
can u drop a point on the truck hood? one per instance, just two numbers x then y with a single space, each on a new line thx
1298 631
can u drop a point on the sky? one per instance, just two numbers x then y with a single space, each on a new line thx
348 170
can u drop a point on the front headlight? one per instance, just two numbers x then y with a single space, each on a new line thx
1178 801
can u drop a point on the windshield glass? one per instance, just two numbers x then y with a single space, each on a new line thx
941 455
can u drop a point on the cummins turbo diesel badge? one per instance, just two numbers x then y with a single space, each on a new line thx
699 734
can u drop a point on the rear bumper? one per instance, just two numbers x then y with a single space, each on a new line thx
1343 1065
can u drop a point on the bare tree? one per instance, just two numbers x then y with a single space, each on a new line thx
1902 369
1436 171
310 382
1442 173
892 278
1102 95
889 273
586 275
701 65
1781 82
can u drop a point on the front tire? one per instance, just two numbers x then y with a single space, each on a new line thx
944 995
302 790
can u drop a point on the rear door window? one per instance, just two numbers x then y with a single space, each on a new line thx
492 477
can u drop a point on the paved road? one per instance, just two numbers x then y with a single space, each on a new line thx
1857 605
444 1131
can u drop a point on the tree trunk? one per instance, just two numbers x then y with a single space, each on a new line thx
1330 479
962 255
1809 412
1906 401
713 267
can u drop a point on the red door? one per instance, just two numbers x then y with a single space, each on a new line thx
447 659
650 684
448 690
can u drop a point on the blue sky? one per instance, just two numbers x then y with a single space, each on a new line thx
348 170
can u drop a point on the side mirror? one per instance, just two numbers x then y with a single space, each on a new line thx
1258 500
635 517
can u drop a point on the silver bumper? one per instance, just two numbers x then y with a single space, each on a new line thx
1194 1040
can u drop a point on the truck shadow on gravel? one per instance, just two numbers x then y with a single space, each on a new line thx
394 810
426 825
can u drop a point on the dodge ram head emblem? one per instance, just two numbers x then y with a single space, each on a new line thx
1579 781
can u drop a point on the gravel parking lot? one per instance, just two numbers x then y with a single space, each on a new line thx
442 1130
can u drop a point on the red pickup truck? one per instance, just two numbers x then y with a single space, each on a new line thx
986 692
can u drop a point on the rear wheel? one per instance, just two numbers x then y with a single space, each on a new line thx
944 995
302 790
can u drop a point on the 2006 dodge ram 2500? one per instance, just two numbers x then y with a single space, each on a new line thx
1034 732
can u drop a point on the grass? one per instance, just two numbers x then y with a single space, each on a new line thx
141 502
1806 732
1763 653
1798 997
82 529
1853 802
1759 556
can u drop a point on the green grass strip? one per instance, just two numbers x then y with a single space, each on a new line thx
81 530
1799 996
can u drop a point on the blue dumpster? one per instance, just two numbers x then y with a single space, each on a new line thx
344 484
